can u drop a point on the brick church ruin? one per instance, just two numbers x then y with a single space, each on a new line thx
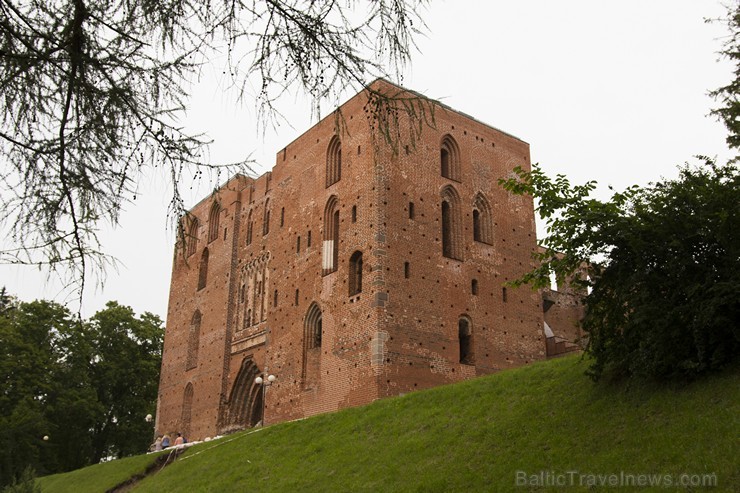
353 271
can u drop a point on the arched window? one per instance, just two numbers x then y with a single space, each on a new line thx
192 237
355 273
266 218
203 270
330 253
250 228
449 156
482 220
452 244
213 218
191 360
311 345
465 336
333 161
187 410
312 327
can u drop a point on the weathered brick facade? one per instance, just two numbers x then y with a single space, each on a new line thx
351 273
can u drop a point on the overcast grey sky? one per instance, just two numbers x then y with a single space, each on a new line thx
614 91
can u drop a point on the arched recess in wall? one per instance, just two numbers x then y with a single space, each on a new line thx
330 248
312 338
245 401
203 270
266 218
355 273
333 161
482 220
250 228
465 339
213 219
187 410
452 237
191 239
191 360
449 157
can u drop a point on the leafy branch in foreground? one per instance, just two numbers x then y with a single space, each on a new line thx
663 267
92 91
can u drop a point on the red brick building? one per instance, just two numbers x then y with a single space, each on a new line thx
358 268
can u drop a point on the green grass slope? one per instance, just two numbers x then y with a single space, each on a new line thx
546 419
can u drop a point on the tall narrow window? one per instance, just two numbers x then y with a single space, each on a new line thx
187 409
282 217
474 287
312 335
250 228
312 327
333 161
296 297
191 360
449 156
406 269
465 335
266 218
298 245
452 241
308 240
503 294
355 273
354 213
192 238
203 270
411 210
275 298
213 218
330 252
482 220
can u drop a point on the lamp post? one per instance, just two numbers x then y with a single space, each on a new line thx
265 382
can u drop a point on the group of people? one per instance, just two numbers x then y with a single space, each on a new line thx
164 441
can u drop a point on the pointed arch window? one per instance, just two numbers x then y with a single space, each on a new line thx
191 361
203 270
465 337
191 240
266 218
187 410
213 219
333 161
250 228
312 327
355 273
452 244
330 252
482 220
449 157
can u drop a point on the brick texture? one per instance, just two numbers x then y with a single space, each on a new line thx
281 294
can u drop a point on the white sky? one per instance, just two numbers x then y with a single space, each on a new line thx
614 91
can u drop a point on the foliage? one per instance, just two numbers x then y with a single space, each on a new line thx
26 483
473 436
729 110
86 386
92 91
664 267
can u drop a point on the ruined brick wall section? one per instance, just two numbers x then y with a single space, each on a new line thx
212 302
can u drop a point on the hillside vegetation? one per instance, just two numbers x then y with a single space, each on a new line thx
546 419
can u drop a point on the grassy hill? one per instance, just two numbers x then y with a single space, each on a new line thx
546 419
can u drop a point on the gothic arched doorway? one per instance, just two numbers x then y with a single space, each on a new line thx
245 402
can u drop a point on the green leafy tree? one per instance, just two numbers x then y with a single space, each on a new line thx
664 267
85 385
729 110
